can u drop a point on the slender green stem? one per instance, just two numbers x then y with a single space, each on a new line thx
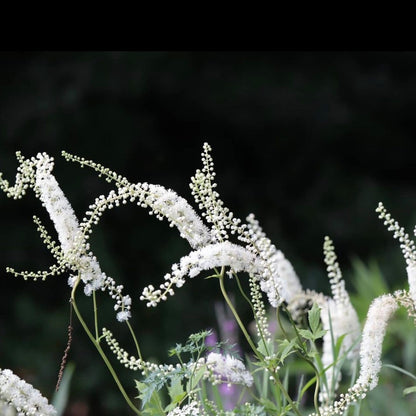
136 343
301 344
316 395
282 327
303 356
286 394
236 316
94 299
250 341
217 397
259 327
101 352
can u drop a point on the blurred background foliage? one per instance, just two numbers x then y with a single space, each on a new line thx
308 141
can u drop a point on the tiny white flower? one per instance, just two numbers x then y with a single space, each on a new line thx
123 316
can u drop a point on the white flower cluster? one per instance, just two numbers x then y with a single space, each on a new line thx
164 203
338 320
411 275
167 203
280 281
23 396
228 369
379 314
190 409
74 251
57 205
267 266
211 256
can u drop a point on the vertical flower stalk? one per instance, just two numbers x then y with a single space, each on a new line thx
339 318
380 312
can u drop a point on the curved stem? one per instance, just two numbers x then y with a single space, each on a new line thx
236 316
101 352
259 327
315 396
136 343
302 356
286 394
94 299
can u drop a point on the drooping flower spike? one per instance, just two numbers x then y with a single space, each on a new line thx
74 251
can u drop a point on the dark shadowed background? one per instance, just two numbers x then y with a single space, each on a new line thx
308 141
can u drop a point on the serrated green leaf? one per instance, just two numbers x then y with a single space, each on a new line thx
265 348
196 378
286 347
146 394
320 333
307 334
176 391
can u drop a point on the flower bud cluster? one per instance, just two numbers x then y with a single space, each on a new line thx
339 318
131 362
123 302
110 175
404 299
356 392
213 210
262 323
406 244
339 293
25 177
